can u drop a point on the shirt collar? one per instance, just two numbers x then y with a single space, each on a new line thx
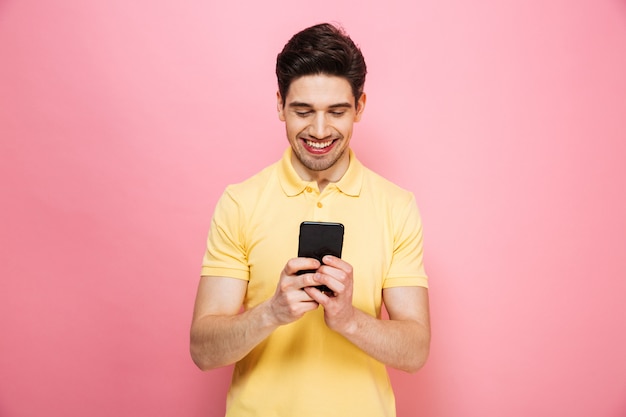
291 183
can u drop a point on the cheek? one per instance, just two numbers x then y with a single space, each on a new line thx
294 127
292 133
345 128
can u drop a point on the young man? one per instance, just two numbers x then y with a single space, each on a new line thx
300 351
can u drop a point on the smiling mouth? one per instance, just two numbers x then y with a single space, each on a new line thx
319 145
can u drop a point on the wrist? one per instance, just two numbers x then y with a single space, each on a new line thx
350 325
268 318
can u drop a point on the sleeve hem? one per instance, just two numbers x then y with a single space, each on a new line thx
406 282
224 272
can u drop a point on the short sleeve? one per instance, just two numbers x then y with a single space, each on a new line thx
226 254
407 265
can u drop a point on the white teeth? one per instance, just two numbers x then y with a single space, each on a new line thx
318 145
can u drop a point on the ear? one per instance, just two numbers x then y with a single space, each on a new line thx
360 107
280 106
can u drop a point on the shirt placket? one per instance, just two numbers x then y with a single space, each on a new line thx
322 201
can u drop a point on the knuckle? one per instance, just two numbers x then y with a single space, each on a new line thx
293 310
341 277
283 286
290 267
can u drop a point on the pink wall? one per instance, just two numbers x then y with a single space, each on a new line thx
121 122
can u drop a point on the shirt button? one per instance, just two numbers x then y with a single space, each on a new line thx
309 189
320 205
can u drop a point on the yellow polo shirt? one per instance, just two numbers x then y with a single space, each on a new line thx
304 368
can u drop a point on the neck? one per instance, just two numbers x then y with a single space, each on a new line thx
325 177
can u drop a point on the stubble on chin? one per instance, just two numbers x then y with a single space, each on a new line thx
318 164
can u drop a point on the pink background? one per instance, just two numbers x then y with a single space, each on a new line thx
121 122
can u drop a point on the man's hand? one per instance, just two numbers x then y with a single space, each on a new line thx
336 274
289 302
221 334
401 342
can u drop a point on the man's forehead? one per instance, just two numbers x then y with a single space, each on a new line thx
320 91
311 105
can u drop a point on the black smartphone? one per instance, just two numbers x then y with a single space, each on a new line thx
318 239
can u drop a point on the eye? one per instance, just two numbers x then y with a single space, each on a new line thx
303 113
337 113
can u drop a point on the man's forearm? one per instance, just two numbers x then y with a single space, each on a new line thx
219 340
401 344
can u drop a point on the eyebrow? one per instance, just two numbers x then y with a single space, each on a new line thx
307 105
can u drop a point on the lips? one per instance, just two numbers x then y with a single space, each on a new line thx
318 145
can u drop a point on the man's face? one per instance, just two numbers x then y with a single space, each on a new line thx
319 112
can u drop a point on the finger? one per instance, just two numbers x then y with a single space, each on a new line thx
295 265
326 274
290 286
337 263
334 285
316 295
305 280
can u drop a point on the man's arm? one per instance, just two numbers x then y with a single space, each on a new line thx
221 334
402 342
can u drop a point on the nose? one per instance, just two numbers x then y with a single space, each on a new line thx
320 127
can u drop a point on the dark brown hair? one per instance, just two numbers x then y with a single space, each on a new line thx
321 49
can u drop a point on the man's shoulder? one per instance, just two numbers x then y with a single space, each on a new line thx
255 184
380 184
